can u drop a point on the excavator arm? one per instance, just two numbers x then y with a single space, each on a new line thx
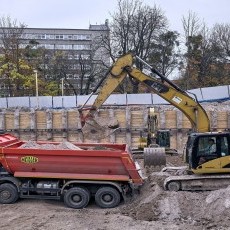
114 78
161 86
181 100
94 127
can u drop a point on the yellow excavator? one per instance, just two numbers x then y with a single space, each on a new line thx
207 169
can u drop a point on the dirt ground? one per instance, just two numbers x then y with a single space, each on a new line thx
153 208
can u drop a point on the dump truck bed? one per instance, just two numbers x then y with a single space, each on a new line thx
90 161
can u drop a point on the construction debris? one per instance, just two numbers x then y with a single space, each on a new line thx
62 145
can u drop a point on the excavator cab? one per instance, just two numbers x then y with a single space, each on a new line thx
208 152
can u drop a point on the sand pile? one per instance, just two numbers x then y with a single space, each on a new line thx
217 205
62 145
209 209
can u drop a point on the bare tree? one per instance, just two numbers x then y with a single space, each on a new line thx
78 71
221 41
206 55
221 37
192 26
11 35
135 27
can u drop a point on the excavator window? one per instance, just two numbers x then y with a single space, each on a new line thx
224 146
212 147
207 149
207 146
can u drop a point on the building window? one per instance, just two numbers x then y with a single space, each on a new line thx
63 47
81 47
81 37
50 36
59 37
41 36
85 56
69 76
22 46
68 37
49 46
68 47
28 36
41 45
76 56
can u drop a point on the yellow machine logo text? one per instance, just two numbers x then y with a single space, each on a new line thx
29 159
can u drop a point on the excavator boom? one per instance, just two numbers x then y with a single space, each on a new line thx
164 88
96 128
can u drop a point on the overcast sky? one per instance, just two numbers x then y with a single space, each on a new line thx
80 13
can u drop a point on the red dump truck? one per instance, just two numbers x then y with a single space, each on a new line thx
76 173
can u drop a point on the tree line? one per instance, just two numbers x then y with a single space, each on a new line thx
198 57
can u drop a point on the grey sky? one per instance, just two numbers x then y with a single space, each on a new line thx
81 13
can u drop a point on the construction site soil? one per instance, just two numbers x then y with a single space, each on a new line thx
153 208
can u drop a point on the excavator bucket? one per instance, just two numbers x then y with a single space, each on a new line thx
99 128
154 157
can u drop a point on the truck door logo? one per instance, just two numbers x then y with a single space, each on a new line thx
29 159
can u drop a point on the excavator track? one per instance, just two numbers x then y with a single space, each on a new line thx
197 182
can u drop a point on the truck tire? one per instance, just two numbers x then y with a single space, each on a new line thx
174 186
77 197
107 197
8 193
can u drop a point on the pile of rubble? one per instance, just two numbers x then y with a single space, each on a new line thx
62 145
210 209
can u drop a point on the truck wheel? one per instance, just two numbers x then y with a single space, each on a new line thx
77 197
174 186
107 197
8 193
